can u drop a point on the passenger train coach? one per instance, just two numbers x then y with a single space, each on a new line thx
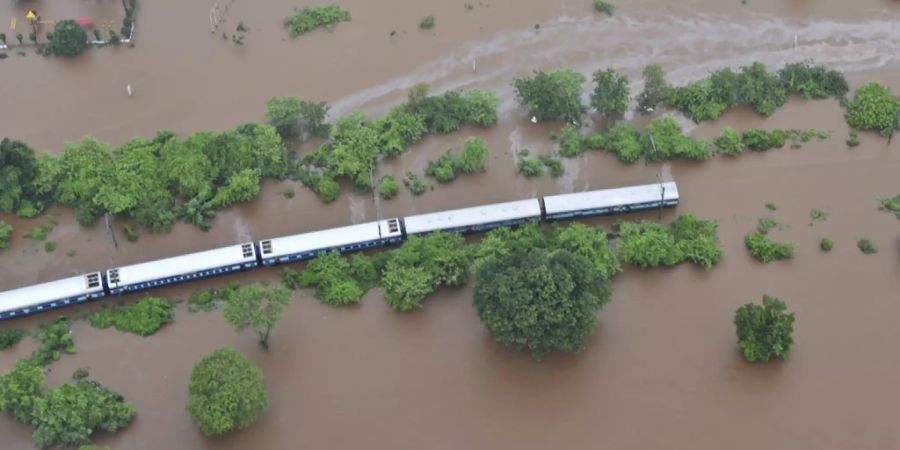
250 255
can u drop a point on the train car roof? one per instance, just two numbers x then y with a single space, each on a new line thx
183 264
47 292
330 238
456 218
605 198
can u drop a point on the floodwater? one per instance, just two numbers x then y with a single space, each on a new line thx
662 368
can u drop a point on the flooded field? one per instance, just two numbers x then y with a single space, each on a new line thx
662 369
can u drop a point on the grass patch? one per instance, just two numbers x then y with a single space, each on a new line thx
40 233
8 338
49 246
209 300
318 16
866 246
142 318
826 244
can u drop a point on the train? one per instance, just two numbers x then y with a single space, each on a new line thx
299 247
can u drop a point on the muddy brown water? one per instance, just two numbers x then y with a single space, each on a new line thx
661 370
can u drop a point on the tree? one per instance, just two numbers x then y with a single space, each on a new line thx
647 244
729 142
764 332
388 187
257 307
19 388
655 89
421 265
610 97
760 89
292 117
552 96
873 107
68 415
664 140
310 18
539 299
227 392
5 232
69 38
78 175
473 157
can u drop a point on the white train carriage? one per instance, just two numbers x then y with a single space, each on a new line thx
344 239
478 218
163 272
51 295
611 201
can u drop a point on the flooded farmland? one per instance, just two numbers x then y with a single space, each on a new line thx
661 370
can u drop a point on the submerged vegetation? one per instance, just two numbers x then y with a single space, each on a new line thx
647 244
143 318
227 392
765 250
866 246
891 204
764 332
55 338
317 16
473 159
874 107
5 234
8 338
604 7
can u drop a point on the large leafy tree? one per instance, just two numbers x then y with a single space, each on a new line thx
18 169
69 38
874 107
258 308
78 175
540 300
19 388
610 97
134 187
552 96
68 415
423 264
227 392
655 89
764 332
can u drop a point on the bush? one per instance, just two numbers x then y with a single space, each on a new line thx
288 193
68 415
767 251
529 167
552 96
39 233
771 206
310 18
891 204
818 214
647 244
444 169
130 233
8 338
873 107
813 82
227 392
729 142
663 140
697 240
853 139
473 157
55 338
388 187
427 23
553 164
760 140
421 265
415 185
765 224
143 318
610 96
570 143
625 141
69 38
20 388
866 246
340 281
604 7
826 244
328 189
764 332
760 89
5 233
49 246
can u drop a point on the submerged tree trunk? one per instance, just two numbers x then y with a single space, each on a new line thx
264 338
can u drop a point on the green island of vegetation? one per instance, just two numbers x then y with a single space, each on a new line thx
764 249
647 244
9 338
890 204
826 244
764 332
144 317
866 246
536 167
312 17
473 159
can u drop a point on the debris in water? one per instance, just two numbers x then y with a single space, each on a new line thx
128 89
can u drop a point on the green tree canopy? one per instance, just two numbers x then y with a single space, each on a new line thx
68 415
655 88
539 299
20 388
552 96
227 392
764 332
423 264
69 38
873 107
18 170
610 97
258 308
5 233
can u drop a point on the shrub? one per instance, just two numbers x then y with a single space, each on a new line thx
818 214
49 246
55 338
310 18
771 206
143 318
227 392
20 388
764 224
853 139
647 244
529 167
427 23
328 189
610 96
68 415
130 233
552 96
826 244
891 204
473 157
625 141
444 169
760 89
388 187
729 142
553 164
594 141
69 38
873 108
421 265
813 82
288 193
866 246
764 332
8 338
39 233
767 251
604 7
5 233
760 140
663 140
415 185
334 277
570 143
697 240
